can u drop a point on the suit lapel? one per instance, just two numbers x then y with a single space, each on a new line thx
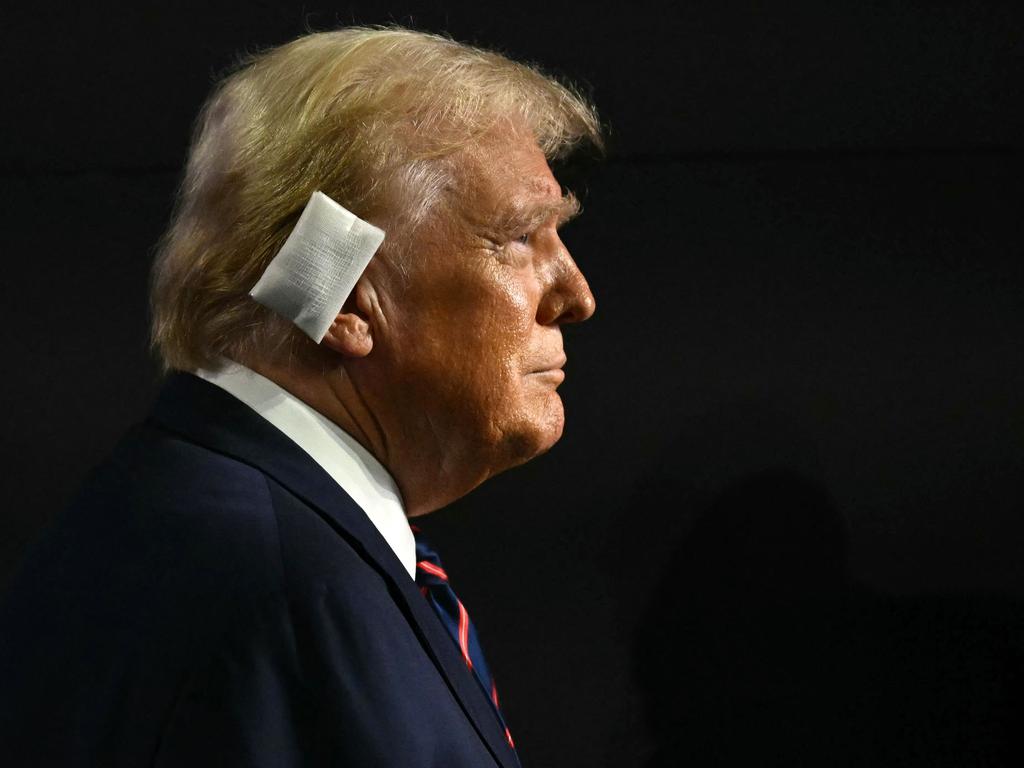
205 414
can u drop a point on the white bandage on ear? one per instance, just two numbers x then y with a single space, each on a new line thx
316 269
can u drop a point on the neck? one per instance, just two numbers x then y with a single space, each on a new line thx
426 481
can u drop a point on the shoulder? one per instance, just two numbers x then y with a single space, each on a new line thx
161 526
220 602
211 512
206 522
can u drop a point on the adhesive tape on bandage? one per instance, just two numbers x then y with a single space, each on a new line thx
316 269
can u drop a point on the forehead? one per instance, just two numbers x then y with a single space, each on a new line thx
507 178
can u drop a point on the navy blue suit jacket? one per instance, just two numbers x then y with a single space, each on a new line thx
212 597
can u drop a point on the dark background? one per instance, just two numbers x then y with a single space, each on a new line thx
785 520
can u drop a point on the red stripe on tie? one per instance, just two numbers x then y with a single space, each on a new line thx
508 735
429 567
494 694
464 634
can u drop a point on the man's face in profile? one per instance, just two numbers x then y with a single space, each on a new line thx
476 342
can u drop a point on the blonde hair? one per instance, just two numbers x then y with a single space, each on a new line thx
368 116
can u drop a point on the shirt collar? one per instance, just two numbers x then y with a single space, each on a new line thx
351 466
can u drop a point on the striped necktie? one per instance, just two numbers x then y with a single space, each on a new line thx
433 583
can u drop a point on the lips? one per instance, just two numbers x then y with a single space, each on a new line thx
554 365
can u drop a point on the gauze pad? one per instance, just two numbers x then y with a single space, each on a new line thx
316 269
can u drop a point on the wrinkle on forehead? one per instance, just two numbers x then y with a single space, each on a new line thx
507 187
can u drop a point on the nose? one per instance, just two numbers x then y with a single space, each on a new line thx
568 298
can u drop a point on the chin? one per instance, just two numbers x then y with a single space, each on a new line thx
537 433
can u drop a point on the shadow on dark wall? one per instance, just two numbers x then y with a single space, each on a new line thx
758 649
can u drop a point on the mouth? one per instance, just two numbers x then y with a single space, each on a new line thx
554 366
551 371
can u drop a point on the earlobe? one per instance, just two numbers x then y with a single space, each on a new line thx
352 332
349 335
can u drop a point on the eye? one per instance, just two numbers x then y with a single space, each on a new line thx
523 239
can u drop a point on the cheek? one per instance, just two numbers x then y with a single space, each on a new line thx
468 341
507 318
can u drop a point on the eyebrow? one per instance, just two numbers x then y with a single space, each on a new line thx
532 215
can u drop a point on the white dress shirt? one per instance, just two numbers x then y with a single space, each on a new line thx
359 474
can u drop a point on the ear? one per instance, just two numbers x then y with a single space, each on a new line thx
351 333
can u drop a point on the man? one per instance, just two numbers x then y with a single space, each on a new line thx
238 583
